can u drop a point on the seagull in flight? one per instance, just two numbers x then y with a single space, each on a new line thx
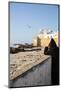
29 26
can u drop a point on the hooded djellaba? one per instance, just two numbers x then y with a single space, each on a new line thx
53 50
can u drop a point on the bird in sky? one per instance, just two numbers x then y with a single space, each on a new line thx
29 26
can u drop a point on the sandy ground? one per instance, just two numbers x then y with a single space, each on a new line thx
23 61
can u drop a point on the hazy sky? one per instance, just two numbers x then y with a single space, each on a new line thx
27 19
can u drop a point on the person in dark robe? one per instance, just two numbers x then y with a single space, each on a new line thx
53 50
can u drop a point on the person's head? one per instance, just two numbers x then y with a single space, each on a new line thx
52 43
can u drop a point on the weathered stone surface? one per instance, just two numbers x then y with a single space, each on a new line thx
23 61
36 76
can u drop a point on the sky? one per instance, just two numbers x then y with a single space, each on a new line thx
26 20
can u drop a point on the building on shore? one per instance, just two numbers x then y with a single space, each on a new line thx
36 42
43 38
